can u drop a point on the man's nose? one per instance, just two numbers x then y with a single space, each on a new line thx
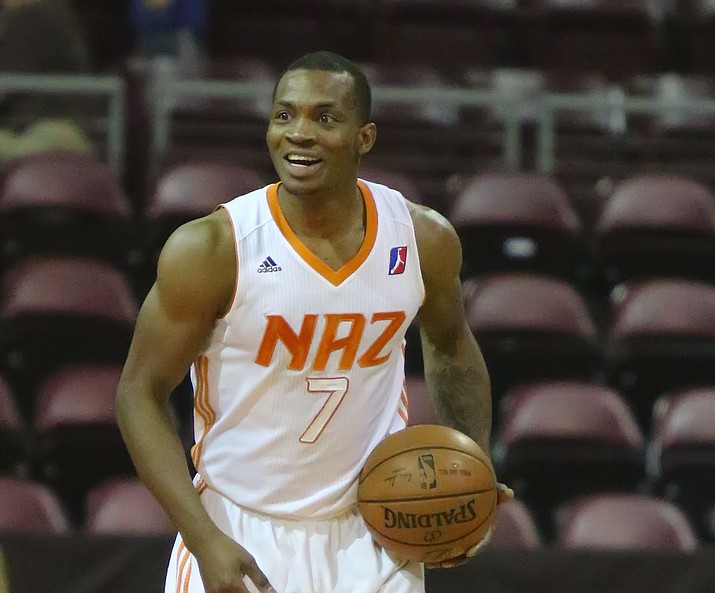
301 131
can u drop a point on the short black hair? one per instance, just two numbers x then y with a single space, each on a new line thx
328 61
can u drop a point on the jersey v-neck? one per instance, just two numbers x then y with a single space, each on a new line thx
335 277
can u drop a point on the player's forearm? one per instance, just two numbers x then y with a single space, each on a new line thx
459 383
158 456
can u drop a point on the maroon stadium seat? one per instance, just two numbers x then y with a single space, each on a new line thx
681 456
518 222
562 439
420 407
656 225
77 439
57 203
194 189
515 527
185 192
532 327
59 310
30 507
624 521
124 506
661 337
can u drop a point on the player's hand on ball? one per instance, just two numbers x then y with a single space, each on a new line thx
504 495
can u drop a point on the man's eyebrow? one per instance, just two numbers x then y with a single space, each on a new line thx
323 105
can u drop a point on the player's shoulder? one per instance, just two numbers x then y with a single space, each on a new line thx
204 245
198 262
205 235
438 244
430 226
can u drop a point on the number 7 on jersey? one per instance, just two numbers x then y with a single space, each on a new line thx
336 388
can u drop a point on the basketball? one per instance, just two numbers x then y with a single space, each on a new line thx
427 493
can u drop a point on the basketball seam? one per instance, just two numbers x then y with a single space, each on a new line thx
420 498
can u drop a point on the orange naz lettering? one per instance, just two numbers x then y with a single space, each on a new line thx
298 343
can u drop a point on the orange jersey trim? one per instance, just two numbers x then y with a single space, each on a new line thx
182 579
403 408
201 486
202 406
335 277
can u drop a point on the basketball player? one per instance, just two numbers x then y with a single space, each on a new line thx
289 304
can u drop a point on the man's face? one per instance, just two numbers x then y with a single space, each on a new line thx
315 137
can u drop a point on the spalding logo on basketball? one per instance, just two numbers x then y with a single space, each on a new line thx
427 493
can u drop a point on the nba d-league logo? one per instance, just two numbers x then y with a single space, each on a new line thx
398 260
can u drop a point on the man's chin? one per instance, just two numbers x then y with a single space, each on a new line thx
298 187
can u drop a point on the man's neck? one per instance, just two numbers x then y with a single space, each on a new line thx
322 216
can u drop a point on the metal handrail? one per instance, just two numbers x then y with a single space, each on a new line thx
171 91
70 84
553 103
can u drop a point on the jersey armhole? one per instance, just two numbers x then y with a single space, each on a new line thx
232 300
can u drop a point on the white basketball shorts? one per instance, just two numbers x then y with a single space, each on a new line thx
336 555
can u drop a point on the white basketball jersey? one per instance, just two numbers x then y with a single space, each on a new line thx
305 373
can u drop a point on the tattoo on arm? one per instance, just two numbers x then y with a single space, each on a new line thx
462 399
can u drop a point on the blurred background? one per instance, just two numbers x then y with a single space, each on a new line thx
571 144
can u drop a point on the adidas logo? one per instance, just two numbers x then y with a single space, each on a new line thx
268 265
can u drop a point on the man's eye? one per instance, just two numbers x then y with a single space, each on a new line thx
326 118
282 115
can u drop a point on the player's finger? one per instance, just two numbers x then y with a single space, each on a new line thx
449 563
504 493
259 579
481 544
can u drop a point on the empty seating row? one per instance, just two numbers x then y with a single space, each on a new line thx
455 33
116 506
655 335
581 126
125 506
558 440
508 32
71 442
605 521
649 225
554 441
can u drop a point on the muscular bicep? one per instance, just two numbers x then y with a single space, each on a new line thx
163 346
194 281
441 317
454 368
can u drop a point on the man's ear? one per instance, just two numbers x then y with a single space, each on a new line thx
368 133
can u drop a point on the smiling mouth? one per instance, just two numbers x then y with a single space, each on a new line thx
302 161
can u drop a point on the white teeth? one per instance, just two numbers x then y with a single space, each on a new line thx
294 159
